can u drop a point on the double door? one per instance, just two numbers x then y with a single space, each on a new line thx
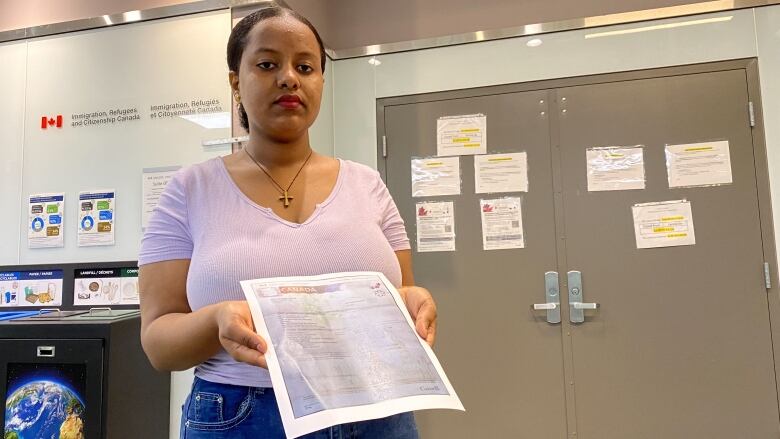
680 345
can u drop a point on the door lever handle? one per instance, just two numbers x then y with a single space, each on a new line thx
551 294
580 305
544 306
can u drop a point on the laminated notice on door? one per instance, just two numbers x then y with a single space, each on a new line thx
663 224
699 164
502 224
435 176
501 173
436 227
461 135
615 169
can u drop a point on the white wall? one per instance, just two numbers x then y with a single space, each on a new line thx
12 88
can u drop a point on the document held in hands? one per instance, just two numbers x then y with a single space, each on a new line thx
342 348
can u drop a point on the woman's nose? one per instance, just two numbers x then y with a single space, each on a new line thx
288 78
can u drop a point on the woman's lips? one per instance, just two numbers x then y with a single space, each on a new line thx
289 101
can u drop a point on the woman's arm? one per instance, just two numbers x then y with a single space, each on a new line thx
176 338
418 300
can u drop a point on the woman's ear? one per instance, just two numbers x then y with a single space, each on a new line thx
233 78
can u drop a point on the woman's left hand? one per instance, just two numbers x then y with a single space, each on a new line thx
422 308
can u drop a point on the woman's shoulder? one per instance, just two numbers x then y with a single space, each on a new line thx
360 172
193 176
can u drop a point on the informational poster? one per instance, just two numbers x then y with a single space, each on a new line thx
495 173
31 288
663 224
343 348
106 286
502 224
436 227
44 225
97 213
615 168
699 164
153 184
435 176
461 135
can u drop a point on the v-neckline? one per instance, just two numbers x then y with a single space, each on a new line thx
269 211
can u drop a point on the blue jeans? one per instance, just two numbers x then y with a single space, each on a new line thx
215 410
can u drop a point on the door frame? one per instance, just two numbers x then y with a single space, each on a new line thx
750 68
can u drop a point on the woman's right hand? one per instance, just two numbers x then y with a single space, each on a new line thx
237 335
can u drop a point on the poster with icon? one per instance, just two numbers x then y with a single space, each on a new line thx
106 286
44 223
31 288
97 213
436 227
502 223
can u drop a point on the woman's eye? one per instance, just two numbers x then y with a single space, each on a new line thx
303 68
266 65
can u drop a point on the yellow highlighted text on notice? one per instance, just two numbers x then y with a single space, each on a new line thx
701 148
663 229
672 218
677 235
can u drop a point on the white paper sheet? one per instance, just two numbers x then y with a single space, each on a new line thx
664 224
494 173
615 168
45 213
699 164
502 224
153 182
435 176
342 348
97 213
461 135
436 227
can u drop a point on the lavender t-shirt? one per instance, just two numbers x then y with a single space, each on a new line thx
204 217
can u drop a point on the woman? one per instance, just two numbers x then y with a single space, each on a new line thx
273 209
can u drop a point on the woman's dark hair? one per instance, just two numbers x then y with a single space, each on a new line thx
238 36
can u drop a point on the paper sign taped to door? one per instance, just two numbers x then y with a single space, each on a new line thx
495 173
435 176
699 164
664 224
461 135
502 224
435 227
615 168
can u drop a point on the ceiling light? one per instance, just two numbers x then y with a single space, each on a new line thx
132 16
108 21
536 42
659 27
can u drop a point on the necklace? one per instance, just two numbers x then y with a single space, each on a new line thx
285 197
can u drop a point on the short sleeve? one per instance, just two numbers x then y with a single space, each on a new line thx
167 235
392 223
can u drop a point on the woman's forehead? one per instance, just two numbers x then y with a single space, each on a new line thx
282 34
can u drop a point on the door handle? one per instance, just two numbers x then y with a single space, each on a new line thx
578 307
552 294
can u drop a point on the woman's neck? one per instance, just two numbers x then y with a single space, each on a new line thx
272 153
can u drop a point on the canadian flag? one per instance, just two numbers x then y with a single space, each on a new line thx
47 122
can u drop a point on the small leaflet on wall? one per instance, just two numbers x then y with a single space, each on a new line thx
461 135
502 224
699 164
494 173
663 224
436 227
435 176
615 168
97 213
31 288
106 286
153 182
44 225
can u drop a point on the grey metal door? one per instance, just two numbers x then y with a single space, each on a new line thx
504 360
681 346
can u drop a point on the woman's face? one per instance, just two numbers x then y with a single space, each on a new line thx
280 79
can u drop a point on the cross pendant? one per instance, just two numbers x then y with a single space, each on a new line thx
286 198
